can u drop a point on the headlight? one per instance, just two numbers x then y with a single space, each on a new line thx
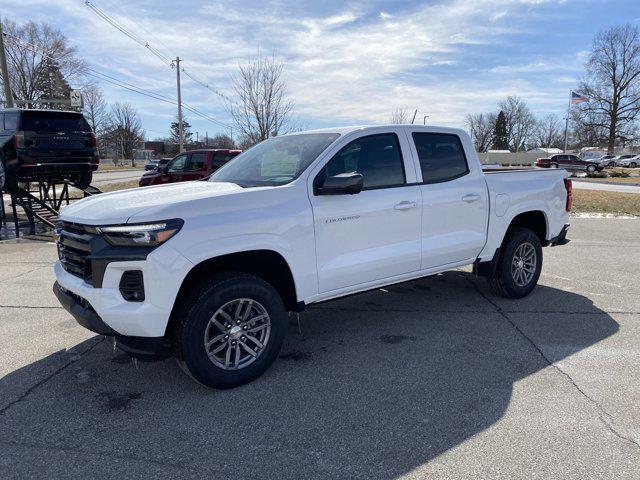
141 235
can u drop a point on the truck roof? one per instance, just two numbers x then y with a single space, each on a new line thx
43 110
364 128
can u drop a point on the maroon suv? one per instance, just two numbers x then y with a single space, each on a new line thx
568 162
191 165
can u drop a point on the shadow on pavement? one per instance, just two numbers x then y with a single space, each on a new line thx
372 386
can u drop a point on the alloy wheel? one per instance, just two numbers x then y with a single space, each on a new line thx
523 265
237 334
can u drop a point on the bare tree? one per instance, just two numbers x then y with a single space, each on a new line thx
42 64
481 126
399 116
123 132
548 132
520 122
222 141
612 82
264 109
94 108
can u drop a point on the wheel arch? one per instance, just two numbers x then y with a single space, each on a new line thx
268 265
534 220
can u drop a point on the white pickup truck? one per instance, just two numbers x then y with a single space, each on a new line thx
207 270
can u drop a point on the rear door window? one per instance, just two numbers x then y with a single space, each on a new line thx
441 156
219 159
197 161
54 122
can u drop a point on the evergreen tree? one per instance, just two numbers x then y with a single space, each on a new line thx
186 131
500 137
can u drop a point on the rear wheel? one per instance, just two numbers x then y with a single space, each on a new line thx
591 169
519 265
611 164
633 164
232 332
7 181
83 180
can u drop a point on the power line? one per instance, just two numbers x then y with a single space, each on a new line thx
133 37
153 50
123 84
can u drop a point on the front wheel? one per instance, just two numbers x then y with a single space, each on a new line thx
519 265
553 165
633 165
591 169
232 332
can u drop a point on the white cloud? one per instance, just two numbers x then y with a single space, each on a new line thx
346 65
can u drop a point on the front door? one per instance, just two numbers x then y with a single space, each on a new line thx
455 200
374 234
175 169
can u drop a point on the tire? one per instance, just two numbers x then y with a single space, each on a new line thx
633 165
196 327
553 165
8 182
611 164
503 282
83 180
591 169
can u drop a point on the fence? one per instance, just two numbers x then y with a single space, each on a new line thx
516 159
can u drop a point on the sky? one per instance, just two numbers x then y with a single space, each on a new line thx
345 62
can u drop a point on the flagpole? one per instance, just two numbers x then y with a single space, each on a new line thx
566 125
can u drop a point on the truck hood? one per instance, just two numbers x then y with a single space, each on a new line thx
119 207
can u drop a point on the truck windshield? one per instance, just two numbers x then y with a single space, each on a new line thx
275 161
54 122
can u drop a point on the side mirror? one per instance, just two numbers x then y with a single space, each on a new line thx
162 168
342 184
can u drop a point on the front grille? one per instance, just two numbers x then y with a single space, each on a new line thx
74 248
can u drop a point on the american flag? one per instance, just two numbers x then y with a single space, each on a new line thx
577 98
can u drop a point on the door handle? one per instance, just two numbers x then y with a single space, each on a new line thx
471 197
405 205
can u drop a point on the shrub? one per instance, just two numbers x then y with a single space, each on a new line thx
598 175
619 173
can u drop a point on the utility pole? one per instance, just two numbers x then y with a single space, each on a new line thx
180 131
5 70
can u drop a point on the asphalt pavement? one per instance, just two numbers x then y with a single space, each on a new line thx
607 187
436 378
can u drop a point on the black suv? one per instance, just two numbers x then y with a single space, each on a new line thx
46 145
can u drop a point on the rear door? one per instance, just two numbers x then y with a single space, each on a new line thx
195 168
454 199
374 234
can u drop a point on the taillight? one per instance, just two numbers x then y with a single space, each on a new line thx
569 186
94 140
18 139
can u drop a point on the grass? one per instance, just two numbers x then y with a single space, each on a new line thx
108 166
114 187
597 201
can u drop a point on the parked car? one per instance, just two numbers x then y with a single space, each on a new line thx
207 273
46 145
568 162
191 165
631 162
151 165
606 160
619 158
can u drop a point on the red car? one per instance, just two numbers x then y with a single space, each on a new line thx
191 165
569 162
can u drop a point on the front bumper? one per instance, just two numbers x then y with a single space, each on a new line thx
163 272
85 315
